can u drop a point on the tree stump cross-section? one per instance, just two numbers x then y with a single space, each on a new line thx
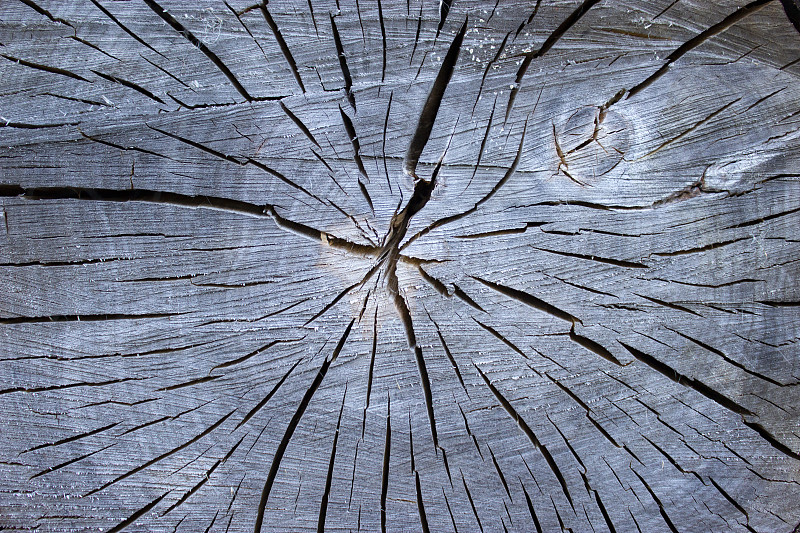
381 265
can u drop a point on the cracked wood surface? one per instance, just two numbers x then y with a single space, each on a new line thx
404 266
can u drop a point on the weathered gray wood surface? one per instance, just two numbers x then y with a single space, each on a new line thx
219 312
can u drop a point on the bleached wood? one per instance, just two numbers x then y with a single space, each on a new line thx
549 286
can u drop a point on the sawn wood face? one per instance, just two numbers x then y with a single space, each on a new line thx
399 265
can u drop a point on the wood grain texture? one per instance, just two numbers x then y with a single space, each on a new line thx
317 265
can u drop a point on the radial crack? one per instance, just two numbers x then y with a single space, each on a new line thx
260 405
290 428
188 201
529 299
699 39
163 456
127 30
528 433
323 508
197 43
458 216
348 80
387 452
431 108
551 40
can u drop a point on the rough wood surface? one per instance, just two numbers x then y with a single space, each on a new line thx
399 265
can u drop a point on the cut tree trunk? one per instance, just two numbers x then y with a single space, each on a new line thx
399 265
